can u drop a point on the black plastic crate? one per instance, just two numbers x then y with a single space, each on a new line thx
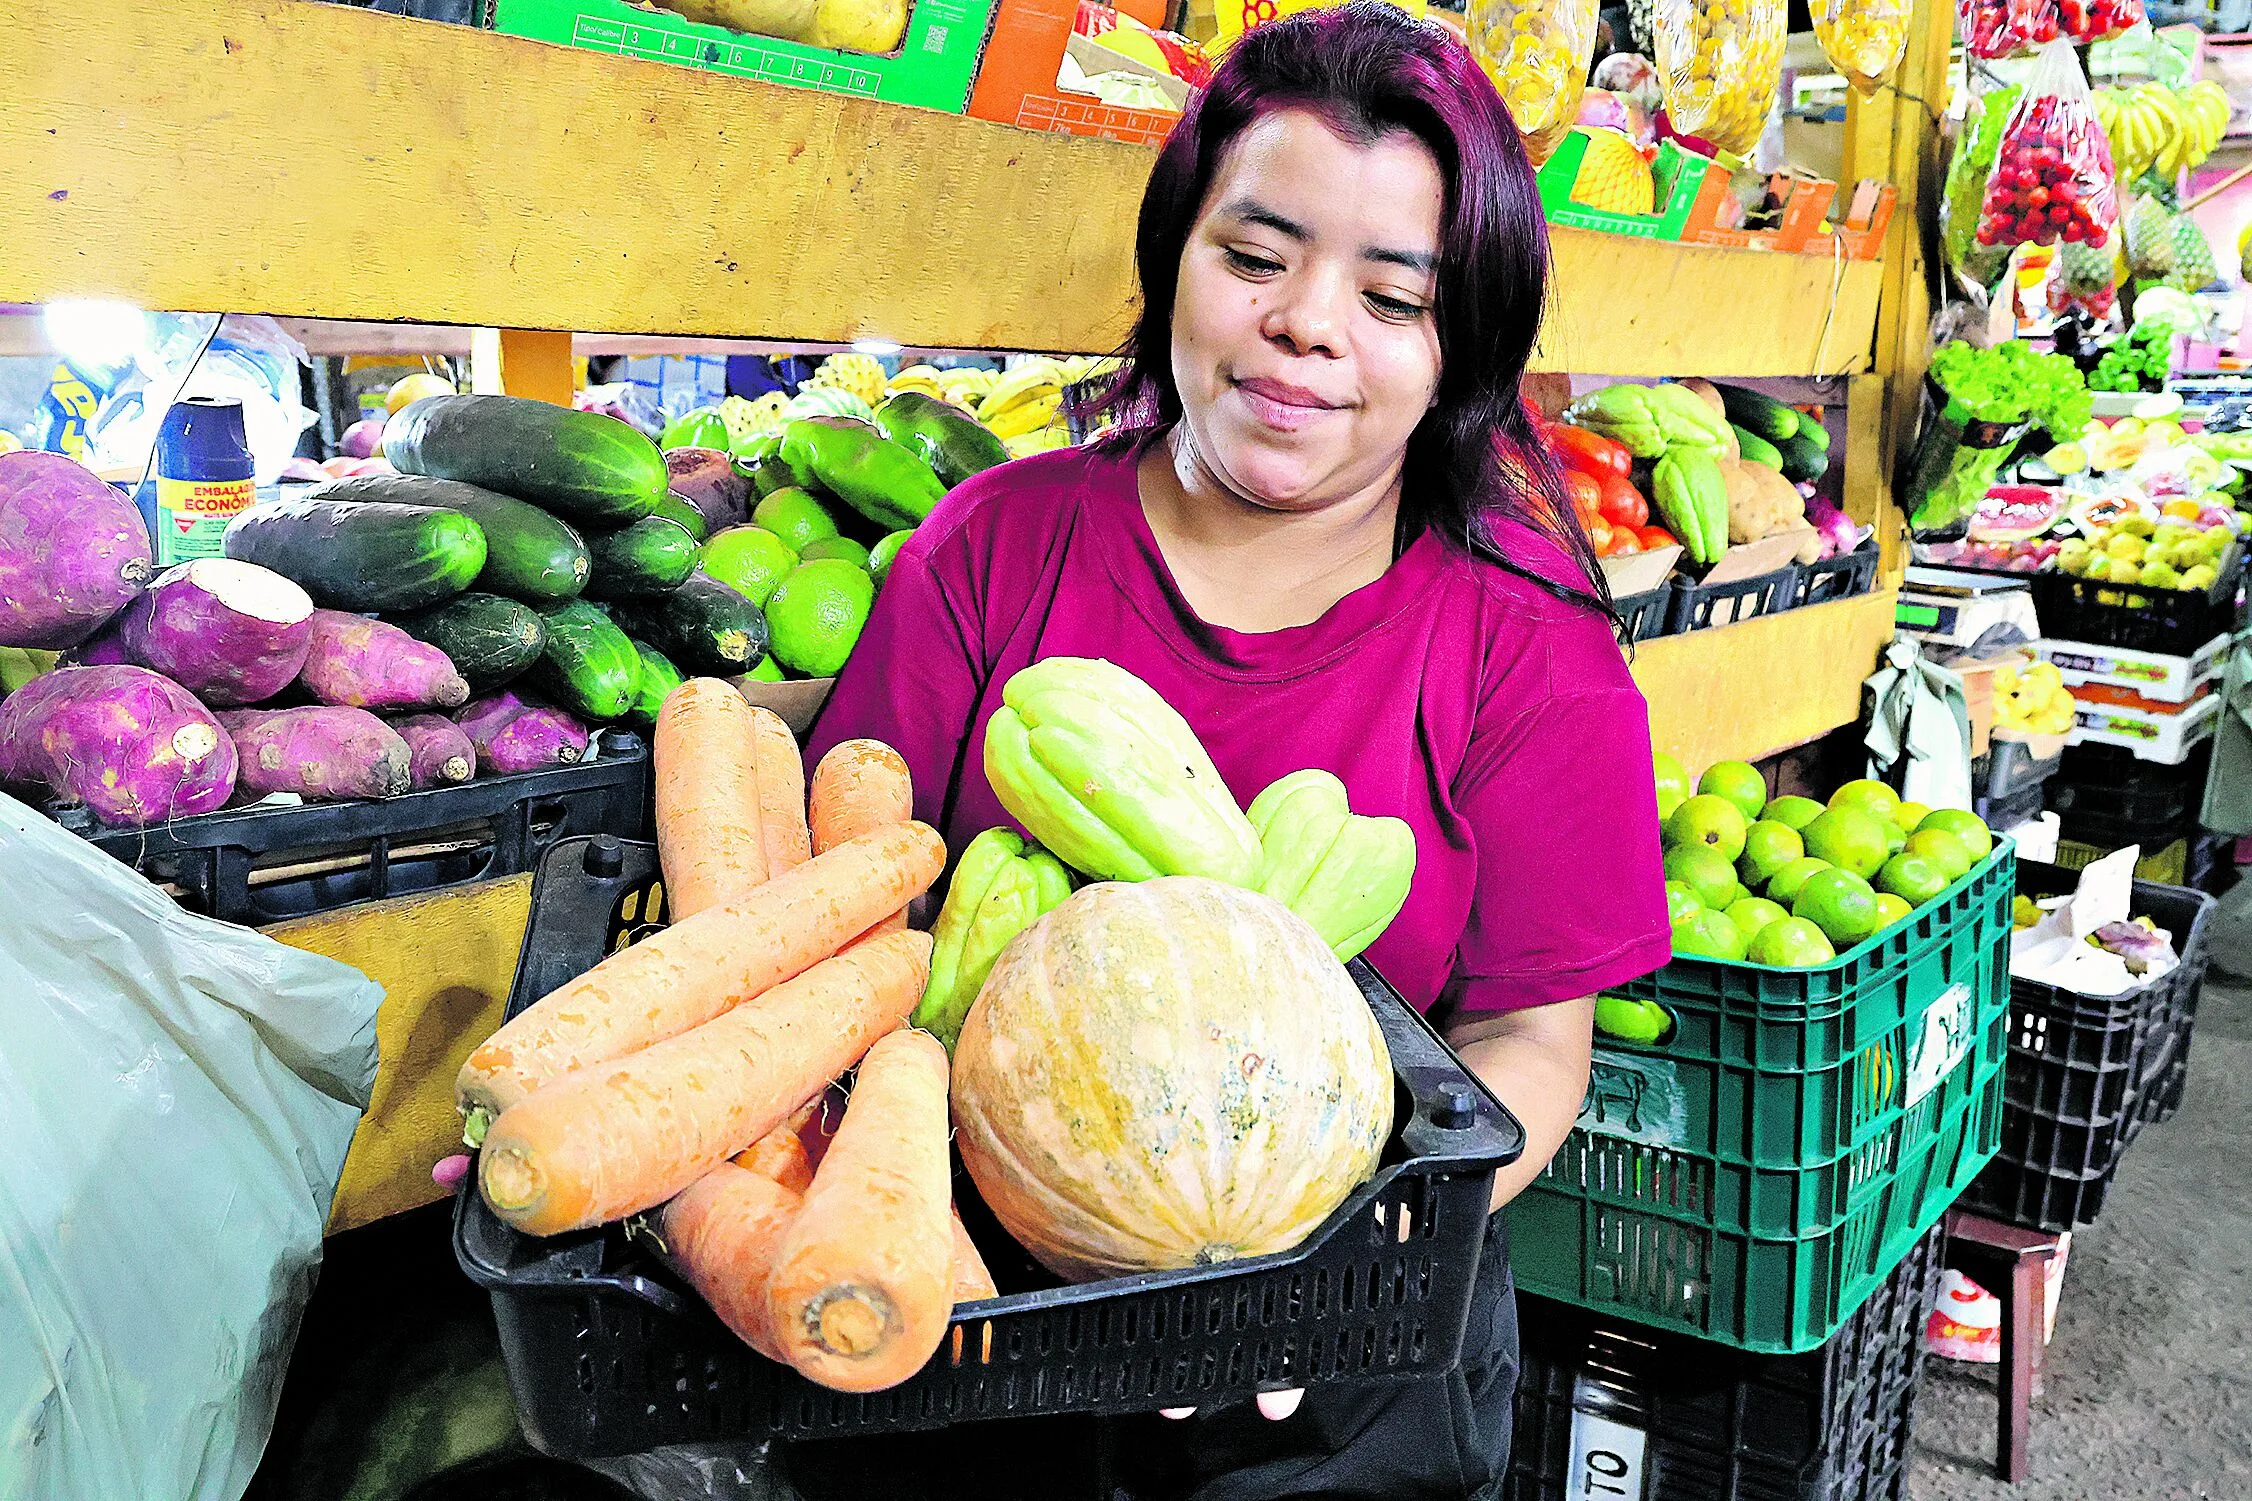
2008 811
2112 799
1829 579
266 862
2167 621
1646 615
1601 1400
2082 1071
1699 606
609 1353
2009 767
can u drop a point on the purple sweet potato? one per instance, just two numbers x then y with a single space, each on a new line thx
73 551
132 745
360 663
706 479
517 734
363 439
322 752
230 633
438 752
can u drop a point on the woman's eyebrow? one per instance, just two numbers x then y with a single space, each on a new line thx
1251 211
1414 260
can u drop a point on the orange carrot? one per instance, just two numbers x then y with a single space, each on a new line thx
696 969
613 1140
721 1232
781 792
864 1282
780 1154
860 785
709 828
971 1280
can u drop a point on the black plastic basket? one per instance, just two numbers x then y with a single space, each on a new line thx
2121 804
1707 1423
266 862
2084 1073
2009 767
608 1353
1697 607
1829 579
1648 614
2170 622
2007 812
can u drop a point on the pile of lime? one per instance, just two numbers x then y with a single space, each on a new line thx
815 584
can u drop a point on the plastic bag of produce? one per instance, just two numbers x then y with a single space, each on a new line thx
1975 147
1537 54
1863 39
176 1095
2005 28
1721 62
2052 177
2098 20
254 360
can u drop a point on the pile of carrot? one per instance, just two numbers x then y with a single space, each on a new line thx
683 1078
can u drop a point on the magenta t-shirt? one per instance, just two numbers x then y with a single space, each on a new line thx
1496 719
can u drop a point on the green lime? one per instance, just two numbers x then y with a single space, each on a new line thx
1849 839
1737 781
1751 914
794 516
1912 878
1977 840
1840 903
1682 901
1708 821
837 547
816 615
1791 943
1792 812
880 556
1890 909
1768 847
1705 872
765 672
1708 935
748 559
1784 884
1943 850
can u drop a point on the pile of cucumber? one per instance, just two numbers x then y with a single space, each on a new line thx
524 540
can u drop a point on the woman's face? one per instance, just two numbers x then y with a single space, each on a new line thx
1304 341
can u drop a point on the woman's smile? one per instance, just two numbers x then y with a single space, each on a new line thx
1282 406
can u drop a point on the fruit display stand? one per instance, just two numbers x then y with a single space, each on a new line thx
449 177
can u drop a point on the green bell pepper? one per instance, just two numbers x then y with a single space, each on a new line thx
855 462
1346 875
942 435
1001 887
1101 770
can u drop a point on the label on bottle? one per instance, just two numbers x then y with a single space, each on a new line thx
192 515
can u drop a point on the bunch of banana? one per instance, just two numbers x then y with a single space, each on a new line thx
859 374
1025 399
2205 113
2155 127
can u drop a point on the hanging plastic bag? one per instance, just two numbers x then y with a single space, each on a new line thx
2005 28
1537 53
2098 20
176 1095
1863 39
1975 146
1721 62
2052 177
251 359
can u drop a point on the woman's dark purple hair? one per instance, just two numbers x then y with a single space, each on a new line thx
1368 69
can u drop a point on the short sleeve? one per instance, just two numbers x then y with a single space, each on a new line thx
912 681
1570 886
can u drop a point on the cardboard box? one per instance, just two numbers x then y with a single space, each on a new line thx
2166 738
1804 197
934 66
1948 607
798 701
1977 674
1676 174
2165 679
1859 236
1017 83
1640 572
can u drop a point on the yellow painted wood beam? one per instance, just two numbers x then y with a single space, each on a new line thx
323 161
1746 691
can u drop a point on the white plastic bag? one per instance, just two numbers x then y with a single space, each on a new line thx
176 1096
252 359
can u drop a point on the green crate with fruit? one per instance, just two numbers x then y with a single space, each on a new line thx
1774 1116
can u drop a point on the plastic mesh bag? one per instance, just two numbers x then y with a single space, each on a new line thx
2005 28
2052 178
1966 186
1863 39
1720 62
176 1095
1537 53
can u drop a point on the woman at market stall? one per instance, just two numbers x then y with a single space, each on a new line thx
1328 534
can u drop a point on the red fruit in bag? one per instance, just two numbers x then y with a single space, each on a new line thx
2052 177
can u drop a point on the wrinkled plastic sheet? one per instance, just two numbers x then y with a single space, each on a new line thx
176 1097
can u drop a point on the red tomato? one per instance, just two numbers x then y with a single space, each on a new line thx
1655 537
1623 541
1623 505
1599 532
1586 495
1590 453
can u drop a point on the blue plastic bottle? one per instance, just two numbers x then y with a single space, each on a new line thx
204 478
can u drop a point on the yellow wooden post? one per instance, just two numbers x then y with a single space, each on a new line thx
536 362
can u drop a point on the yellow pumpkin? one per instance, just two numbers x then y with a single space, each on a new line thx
1167 1074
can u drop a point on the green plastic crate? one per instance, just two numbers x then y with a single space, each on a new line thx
1758 1176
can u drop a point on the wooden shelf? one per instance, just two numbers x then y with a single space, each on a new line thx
1747 691
320 161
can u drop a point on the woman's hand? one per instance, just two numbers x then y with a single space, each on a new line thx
1535 1061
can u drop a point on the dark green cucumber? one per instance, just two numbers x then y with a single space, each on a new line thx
586 466
1803 458
361 555
658 678
529 555
682 513
1757 449
588 665
707 628
490 640
1760 413
641 561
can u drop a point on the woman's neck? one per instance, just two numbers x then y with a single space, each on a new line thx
1251 569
